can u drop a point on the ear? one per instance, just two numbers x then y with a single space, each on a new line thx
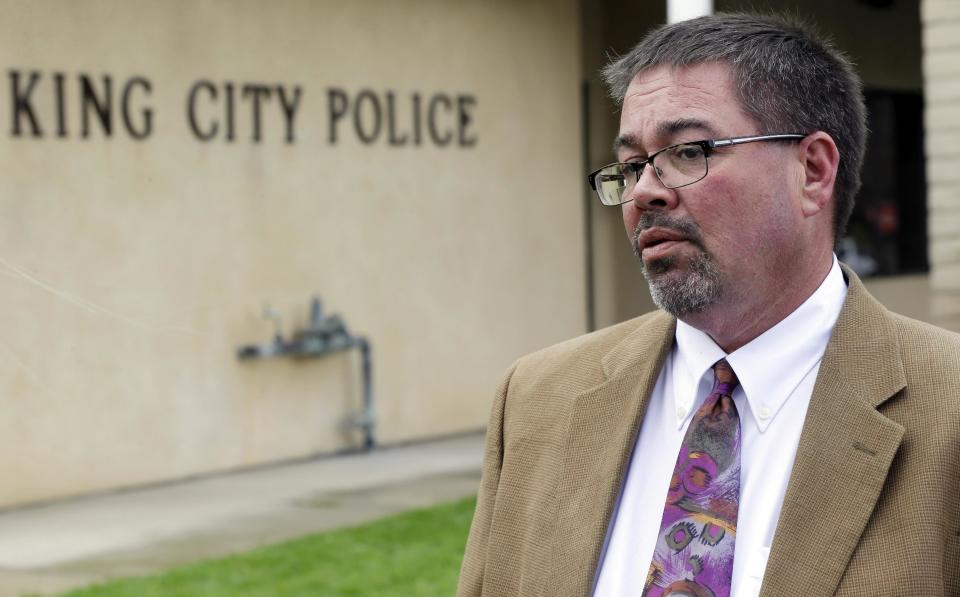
820 159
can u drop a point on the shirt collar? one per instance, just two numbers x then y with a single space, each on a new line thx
772 365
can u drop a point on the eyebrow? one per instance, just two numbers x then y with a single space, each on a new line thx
666 129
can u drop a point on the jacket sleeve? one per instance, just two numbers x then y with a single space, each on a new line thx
478 543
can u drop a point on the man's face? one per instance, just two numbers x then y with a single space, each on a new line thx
727 237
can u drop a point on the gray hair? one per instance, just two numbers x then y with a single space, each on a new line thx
789 80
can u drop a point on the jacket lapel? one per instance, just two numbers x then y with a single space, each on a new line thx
844 454
604 420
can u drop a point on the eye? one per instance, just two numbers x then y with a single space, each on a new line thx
687 152
635 168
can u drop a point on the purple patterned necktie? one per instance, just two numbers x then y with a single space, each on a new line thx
694 553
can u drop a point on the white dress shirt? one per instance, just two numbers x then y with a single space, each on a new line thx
777 371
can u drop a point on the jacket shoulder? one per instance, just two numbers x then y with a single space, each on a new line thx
931 357
578 363
916 334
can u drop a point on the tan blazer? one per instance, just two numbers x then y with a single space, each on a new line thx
873 503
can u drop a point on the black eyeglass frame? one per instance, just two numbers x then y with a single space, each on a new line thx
706 145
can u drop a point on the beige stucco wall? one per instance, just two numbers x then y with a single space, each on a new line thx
941 70
133 269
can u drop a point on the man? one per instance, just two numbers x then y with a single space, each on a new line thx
773 429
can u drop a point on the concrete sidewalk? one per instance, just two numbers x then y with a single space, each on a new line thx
51 548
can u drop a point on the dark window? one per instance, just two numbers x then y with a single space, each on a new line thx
887 234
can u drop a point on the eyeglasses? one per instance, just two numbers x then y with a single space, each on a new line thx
676 166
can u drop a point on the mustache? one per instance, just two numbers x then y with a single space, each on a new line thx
659 219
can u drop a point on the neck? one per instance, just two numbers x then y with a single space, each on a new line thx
742 316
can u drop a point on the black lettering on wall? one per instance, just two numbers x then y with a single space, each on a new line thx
229 101
338 109
392 123
384 117
416 118
146 114
289 108
256 92
102 106
61 101
465 105
369 97
211 90
21 104
441 140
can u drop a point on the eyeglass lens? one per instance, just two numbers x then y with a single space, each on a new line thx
675 166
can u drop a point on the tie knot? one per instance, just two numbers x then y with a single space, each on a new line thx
726 380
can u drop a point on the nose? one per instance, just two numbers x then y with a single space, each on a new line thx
650 193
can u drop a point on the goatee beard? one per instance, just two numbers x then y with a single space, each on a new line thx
683 293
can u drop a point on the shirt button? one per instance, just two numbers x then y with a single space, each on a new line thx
681 412
764 412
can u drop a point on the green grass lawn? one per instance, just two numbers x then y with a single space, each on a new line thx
415 553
